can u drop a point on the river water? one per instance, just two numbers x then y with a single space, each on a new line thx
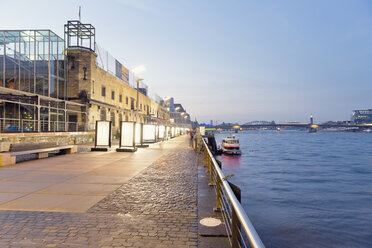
305 189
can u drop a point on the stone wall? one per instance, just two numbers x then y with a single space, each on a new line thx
63 138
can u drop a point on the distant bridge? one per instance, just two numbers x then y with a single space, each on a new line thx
293 125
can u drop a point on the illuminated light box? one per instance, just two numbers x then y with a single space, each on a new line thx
167 132
138 134
126 142
149 133
202 130
161 132
127 134
103 136
138 138
172 132
156 133
177 131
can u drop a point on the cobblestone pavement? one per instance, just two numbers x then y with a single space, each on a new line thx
156 208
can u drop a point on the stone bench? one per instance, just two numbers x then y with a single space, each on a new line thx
41 150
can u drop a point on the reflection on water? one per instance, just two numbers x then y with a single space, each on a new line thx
306 190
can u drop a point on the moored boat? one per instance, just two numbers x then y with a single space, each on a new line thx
230 145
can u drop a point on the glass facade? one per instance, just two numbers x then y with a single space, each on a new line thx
33 84
362 116
33 61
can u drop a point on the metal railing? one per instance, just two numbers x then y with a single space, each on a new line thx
239 228
8 125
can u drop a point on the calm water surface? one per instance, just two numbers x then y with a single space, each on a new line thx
306 190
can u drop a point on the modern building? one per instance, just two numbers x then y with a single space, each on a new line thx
178 115
362 116
33 84
52 84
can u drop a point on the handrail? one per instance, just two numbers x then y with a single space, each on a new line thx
244 221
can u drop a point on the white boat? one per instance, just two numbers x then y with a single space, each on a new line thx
230 145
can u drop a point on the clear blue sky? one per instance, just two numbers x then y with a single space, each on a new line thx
232 60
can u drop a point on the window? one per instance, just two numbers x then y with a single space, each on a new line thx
113 95
103 91
141 106
112 118
120 98
126 100
103 115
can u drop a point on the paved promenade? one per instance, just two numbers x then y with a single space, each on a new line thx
97 199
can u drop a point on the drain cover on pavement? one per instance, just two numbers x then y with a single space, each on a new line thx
210 222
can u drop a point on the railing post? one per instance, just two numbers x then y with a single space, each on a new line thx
235 223
211 170
218 194
206 163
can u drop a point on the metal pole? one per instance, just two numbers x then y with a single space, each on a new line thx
218 194
38 115
4 60
137 104
19 62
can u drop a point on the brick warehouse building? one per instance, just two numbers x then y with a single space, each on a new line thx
50 84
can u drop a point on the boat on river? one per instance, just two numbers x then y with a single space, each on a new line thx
230 145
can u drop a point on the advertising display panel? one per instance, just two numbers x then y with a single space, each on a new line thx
161 132
127 134
138 134
103 133
173 132
121 71
167 132
156 132
149 131
202 130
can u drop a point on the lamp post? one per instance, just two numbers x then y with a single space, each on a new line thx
137 70
137 104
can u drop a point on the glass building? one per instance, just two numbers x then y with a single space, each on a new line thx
362 116
33 83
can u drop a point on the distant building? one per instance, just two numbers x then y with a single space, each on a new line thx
362 116
178 114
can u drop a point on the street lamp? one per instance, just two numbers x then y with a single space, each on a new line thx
138 80
136 70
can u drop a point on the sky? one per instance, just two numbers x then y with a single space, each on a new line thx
231 61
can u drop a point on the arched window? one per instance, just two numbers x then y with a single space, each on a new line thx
112 118
103 115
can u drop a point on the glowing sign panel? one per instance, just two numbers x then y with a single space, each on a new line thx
202 130
138 136
172 132
127 134
167 132
103 133
161 132
149 132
